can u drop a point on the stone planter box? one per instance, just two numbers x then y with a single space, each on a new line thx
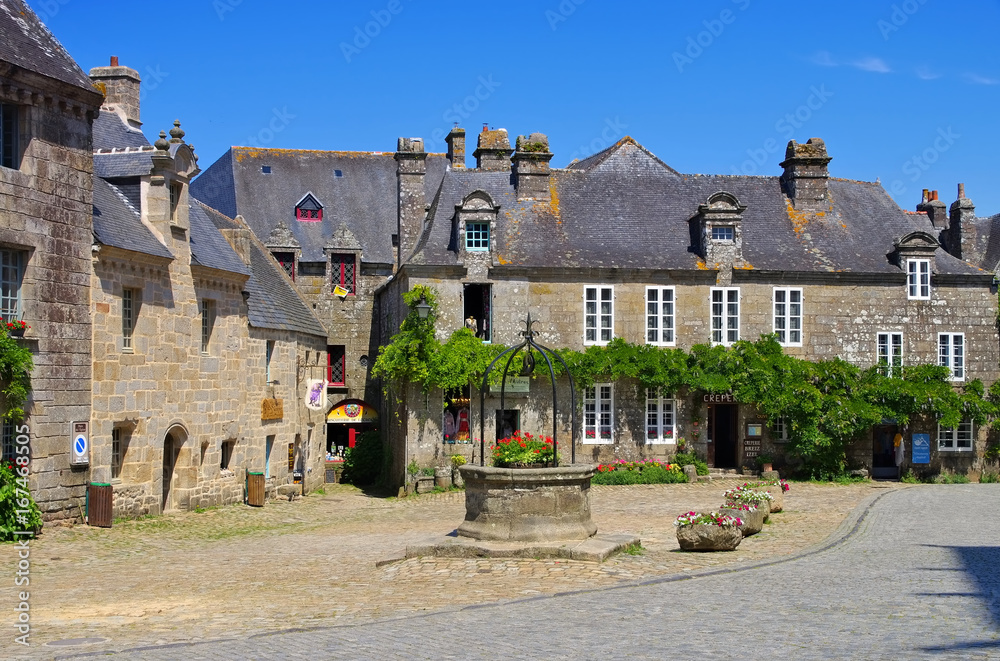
425 483
528 504
704 537
753 522
442 477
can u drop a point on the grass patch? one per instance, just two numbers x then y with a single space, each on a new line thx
634 549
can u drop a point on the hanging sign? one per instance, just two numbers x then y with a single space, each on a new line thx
272 409
516 385
316 395
353 411
921 448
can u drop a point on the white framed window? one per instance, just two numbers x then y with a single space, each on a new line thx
598 413
11 275
779 430
660 316
598 314
477 236
951 354
723 234
918 279
725 315
788 316
889 353
956 439
660 417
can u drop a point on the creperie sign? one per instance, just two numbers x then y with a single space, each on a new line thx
726 398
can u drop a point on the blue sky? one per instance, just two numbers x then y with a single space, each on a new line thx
902 90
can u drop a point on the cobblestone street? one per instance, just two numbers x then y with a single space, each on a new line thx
198 576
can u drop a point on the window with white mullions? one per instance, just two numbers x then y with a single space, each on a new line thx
788 316
725 315
889 354
918 279
598 413
598 315
951 354
660 316
11 276
659 417
956 439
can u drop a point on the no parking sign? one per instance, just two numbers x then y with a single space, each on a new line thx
80 444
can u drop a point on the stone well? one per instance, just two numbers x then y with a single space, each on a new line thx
528 504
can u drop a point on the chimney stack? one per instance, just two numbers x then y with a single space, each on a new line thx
121 90
935 209
531 167
493 153
961 234
806 175
456 148
411 166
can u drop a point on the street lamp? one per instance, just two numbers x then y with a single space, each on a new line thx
423 308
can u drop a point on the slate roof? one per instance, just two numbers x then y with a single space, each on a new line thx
111 132
274 303
117 223
987 243
363 198
123 164
624 208
208 247
27 43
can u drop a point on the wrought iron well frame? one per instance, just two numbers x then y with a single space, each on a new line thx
528 334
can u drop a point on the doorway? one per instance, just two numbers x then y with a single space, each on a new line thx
884 452
477 311
171 449
508 422
723 432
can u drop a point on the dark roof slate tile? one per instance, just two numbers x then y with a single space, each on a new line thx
110 132
117 223
27 43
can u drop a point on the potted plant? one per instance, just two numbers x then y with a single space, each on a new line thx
765 462
425 480
760 499
456 475
751 515
710 531
16 328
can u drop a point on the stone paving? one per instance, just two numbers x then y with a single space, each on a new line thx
235 572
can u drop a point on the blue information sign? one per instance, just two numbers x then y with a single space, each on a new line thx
921 448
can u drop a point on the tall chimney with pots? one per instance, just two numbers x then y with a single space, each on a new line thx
456 148
531 167
805 180
961 233
494 150
411 166
936 210
121 90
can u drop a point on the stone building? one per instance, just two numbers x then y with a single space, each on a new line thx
330 219
202 349
621 245
47 104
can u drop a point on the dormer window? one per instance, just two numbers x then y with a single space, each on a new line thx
309 209
477 236
475 218
723 233
918 279
914 253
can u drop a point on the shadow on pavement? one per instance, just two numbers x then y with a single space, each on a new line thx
981 563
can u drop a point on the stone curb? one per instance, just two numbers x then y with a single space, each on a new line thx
593 549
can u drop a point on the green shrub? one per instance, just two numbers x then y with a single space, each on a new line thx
363 462
616 477
989 477
949 478
644 472
686 458
18 511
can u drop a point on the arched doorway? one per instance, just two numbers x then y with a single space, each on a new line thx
172 443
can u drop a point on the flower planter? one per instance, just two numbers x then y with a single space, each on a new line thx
753 522
16 332
704 537
527 504
442 477
425 483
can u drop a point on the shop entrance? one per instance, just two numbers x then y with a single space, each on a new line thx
884 452
724 435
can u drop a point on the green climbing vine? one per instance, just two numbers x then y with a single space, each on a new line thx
15 377
827 403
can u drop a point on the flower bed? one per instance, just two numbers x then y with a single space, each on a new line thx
639 472
522 450
710 531
761 499
776 488
752 517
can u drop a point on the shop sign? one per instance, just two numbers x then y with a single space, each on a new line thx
723 398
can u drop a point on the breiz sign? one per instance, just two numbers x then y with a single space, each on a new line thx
726 398
272 409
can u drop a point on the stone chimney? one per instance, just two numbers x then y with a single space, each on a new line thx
806 175
456 148
961 234
531 167
121 90
494 150
935 209
411 166
239 239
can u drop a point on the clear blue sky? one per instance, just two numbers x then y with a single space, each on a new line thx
904 90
